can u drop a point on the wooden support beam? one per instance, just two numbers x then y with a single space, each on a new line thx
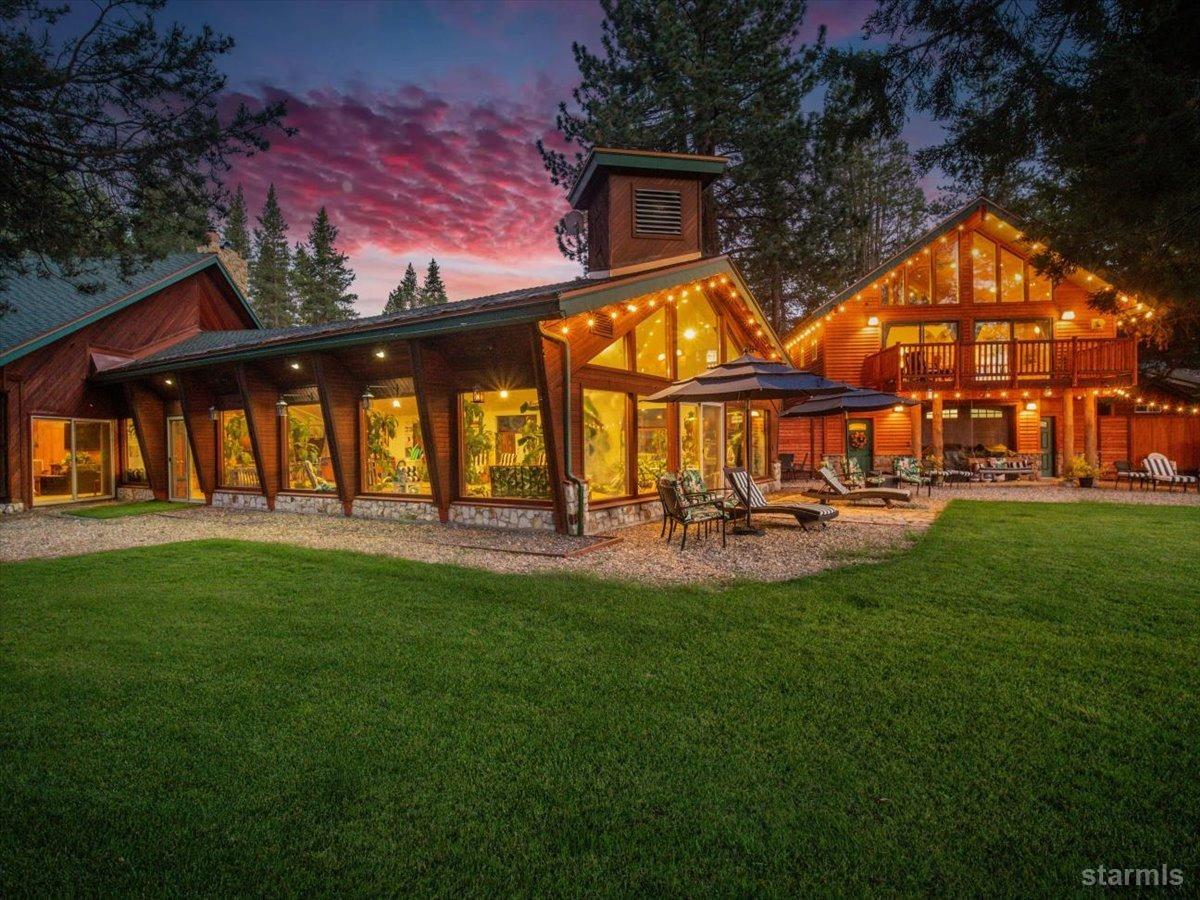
1068 426
939 444
259 397
340 392
195 397
914 414
1091 430
149 414
437 407
549 369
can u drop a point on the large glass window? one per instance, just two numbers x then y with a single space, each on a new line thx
72 460
310 466
503 447
945 271
650 343
1012 277
651 445
983 265
237 454
735 435
697 342
1041 289
758 443
133 464
614 356
916 281
920 333
395 450
689 436
605 457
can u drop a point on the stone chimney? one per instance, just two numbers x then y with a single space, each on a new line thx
238 268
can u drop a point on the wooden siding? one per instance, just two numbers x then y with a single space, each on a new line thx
610 216
149 415
339 392
258 398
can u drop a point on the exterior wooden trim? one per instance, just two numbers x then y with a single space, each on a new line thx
195 398
548 372
433 384
339 393
149 414
259 397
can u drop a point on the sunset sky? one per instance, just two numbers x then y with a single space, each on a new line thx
417 126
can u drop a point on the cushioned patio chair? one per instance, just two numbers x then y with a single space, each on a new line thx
749 496
678 511
907 470
839 491
1162 471
1126 472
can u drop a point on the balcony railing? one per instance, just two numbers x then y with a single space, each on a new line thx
1068 363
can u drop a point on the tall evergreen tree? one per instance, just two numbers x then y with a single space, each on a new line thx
405 295
433 291
236 232
270 274
322 276
705 76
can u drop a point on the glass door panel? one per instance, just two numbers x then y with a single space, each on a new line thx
712 418
184 483
93 460
52 479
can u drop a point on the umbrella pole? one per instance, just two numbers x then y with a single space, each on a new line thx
748 528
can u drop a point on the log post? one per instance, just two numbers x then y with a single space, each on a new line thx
1091 436
914 414
1068 424
936 429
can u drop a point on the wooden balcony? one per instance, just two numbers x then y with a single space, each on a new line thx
1076 362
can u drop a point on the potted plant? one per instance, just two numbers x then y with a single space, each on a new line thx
1081 472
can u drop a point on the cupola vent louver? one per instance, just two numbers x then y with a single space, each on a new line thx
657 212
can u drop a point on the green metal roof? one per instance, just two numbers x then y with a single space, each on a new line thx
533 304
603 158
47 308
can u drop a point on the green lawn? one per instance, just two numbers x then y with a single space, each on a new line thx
1015 700
120 510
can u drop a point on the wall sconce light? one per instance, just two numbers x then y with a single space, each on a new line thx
477 394
212 413
168 382
366 399
281 407
295 365
1068 315
873 321
380 354
503 394
1031 406
899 407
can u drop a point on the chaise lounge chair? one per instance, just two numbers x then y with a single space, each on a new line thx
750 498
1163 470
841 492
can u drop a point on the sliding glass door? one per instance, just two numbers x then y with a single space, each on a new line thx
184 483
72 459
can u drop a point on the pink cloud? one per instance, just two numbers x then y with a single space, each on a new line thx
407 174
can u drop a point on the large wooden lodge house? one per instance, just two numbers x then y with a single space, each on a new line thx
524 408
1002 360
528 408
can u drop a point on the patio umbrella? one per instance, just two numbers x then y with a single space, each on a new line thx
749 378
853 400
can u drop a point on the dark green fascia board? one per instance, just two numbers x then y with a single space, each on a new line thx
582 300
711 167
514 316
117 305
895 259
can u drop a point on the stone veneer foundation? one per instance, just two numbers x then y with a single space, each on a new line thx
130 493
313 504
240 500
487 516
15 507
395 510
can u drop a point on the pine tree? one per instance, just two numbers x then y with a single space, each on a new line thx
302 281
706 76
236 232
270 271
433 291
405 295
322 276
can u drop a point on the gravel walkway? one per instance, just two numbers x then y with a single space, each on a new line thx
861 533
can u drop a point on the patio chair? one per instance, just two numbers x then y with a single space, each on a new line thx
749 497
677 511
1161 469
787 466
1129 473
694 488
907 470
841 492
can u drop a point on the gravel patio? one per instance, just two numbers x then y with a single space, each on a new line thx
860 534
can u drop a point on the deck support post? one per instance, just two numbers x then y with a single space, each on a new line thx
937 433
1090 433
1068 426
914 414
